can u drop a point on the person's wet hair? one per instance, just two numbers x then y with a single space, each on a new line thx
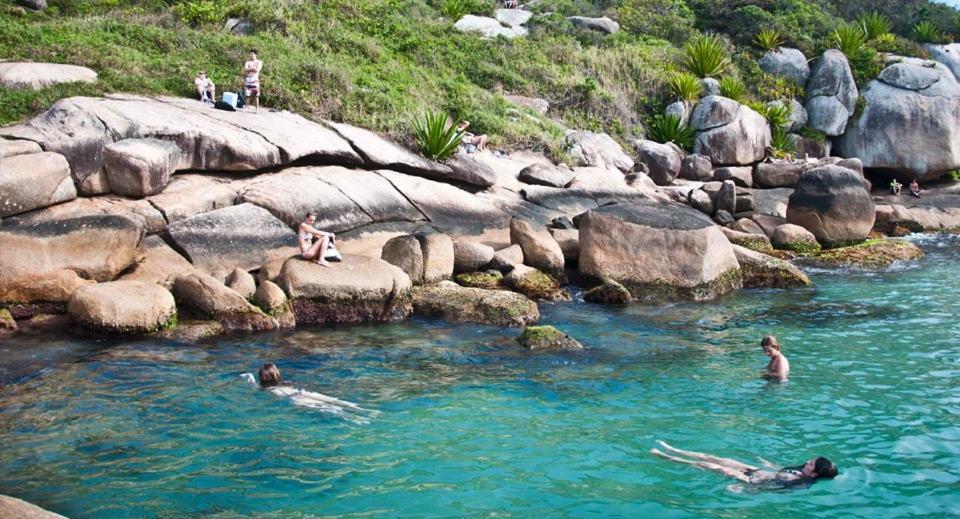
311 214
269 376
770 341
825 468
253 51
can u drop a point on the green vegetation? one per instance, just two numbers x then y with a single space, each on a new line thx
875 25
733 88
685 86
849 38
926 32
706 56
437 138
669 128
768 39
490 280
780 118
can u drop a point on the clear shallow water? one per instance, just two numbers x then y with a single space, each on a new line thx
470 425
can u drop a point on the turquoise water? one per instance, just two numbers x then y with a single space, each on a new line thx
469 425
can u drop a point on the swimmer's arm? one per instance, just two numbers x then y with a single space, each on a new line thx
768 464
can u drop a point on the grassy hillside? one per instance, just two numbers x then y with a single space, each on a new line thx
376 63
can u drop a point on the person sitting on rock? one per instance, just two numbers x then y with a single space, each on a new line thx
470 141
309 249
779 366
511 4
895 187
206 90
915 188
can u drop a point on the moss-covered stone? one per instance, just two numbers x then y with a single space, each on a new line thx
609 292
753 242
871 254
454 303
540 338
535 284
490 280
7 323
660 292
192 330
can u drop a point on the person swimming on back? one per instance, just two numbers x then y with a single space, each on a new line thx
779 367
269 378
772 477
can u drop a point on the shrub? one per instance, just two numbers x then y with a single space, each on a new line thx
733 88
848 38
669 128
685 86
893 44
671 20
780 118
456 9
778 115
782 142
706 56
926 32
865 64
875 25
199 12
768 39
437 138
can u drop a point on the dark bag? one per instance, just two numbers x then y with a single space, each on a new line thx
221 105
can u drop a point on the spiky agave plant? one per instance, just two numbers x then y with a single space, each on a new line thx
685 86
849 38
780 118
706 56
669 128
768 39
437 138
926 32
874 25
733 88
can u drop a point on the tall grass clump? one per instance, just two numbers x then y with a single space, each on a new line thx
733 88
768 39
875 25
666 128
926 32
849 38
706 56
685 86
438 139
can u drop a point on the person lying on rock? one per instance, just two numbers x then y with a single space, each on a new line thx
895 187
772 478
205 87
915 188
310 249
470 141
779 366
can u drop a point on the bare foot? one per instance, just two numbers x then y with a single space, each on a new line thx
323 263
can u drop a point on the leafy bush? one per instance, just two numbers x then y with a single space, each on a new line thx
926 32
875 25
437 138
671 20
848 38
733 88
669 128
768 39
456 9
893 44
685 86
782 142
706 56
780 117
199 12
865 64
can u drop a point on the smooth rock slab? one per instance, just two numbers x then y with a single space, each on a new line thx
359 289
160 264
9 148
125 307
488 27
13 508
191 194
290 194
763 271
545 175
602 24
140 167
454 303
211 298
405 252
37 76
34 181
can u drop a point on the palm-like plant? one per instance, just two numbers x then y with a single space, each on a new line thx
685 86
768 39
437 138
875 25
706 56
778 115
926 32
885 40
849 38
733 88
782 142
455 9
669 128
780 118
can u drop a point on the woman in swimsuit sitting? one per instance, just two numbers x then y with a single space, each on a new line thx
812 470
313 250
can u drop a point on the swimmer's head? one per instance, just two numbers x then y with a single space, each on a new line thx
769 343
269 375
820 467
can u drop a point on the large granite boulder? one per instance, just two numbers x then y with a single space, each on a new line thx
140 167
697 168
126 307
729 133
290 194
404 252
38 76
13 508
488 27
212 299
948 55
834 204
546 175
160 263
358 289
454 303
244 236
602 24
540 249
191 194
787 62
662 162
468 170
763 271
910 125
48 261
470 256
598 150
34 180
439 257
569 242
831 94
658 251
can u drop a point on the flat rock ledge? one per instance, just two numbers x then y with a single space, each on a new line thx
455 303
37 76
869 255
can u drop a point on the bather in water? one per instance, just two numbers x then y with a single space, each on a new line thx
270 379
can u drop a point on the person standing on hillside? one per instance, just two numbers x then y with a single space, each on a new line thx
251 81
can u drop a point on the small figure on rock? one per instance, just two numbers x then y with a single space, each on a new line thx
779 366
470 141
895 187
915 188
314 250
206 90
251 82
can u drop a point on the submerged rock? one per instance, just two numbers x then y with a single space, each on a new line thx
124 307
610 293
763 271
454 303
545 338
535 284
874 254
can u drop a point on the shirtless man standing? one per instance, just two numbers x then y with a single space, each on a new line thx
779 366
251 81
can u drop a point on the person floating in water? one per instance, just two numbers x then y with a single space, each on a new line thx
269 378
771 477
779 366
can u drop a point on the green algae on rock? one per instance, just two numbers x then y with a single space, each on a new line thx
871 254
454 303
540 338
